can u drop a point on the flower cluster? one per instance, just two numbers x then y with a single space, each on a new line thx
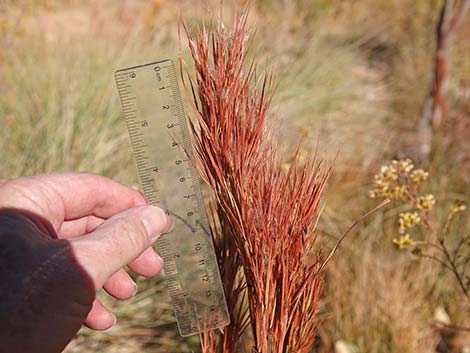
403 241
457 206
398 180
408 220
426 202
395 179
401 181
403 166
417 176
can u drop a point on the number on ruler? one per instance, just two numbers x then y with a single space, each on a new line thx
157 73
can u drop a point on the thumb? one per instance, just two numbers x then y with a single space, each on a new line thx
118 241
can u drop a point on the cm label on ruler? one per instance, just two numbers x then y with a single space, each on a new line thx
159 135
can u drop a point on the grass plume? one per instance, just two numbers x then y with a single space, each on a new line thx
269 215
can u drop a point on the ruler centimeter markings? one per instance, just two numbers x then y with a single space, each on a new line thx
159 135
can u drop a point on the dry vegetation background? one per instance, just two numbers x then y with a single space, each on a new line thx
352 76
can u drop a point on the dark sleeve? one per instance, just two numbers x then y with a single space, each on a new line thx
44 294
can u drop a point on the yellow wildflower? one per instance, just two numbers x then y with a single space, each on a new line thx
418 176
380 187
458 206
426 202
396 192
392 180
387 190
403 242
408 220
388 173
403 165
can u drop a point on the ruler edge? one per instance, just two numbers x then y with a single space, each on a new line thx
117 72
186 131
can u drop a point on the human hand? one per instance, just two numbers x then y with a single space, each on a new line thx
62 238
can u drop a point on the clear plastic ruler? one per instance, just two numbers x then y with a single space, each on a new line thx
160 135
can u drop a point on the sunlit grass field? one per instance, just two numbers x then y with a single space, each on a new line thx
351 78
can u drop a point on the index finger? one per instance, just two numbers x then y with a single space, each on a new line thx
66 196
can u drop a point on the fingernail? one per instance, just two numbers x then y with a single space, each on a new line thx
112 325
143 195
135 288
154 220
170 224
159 259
